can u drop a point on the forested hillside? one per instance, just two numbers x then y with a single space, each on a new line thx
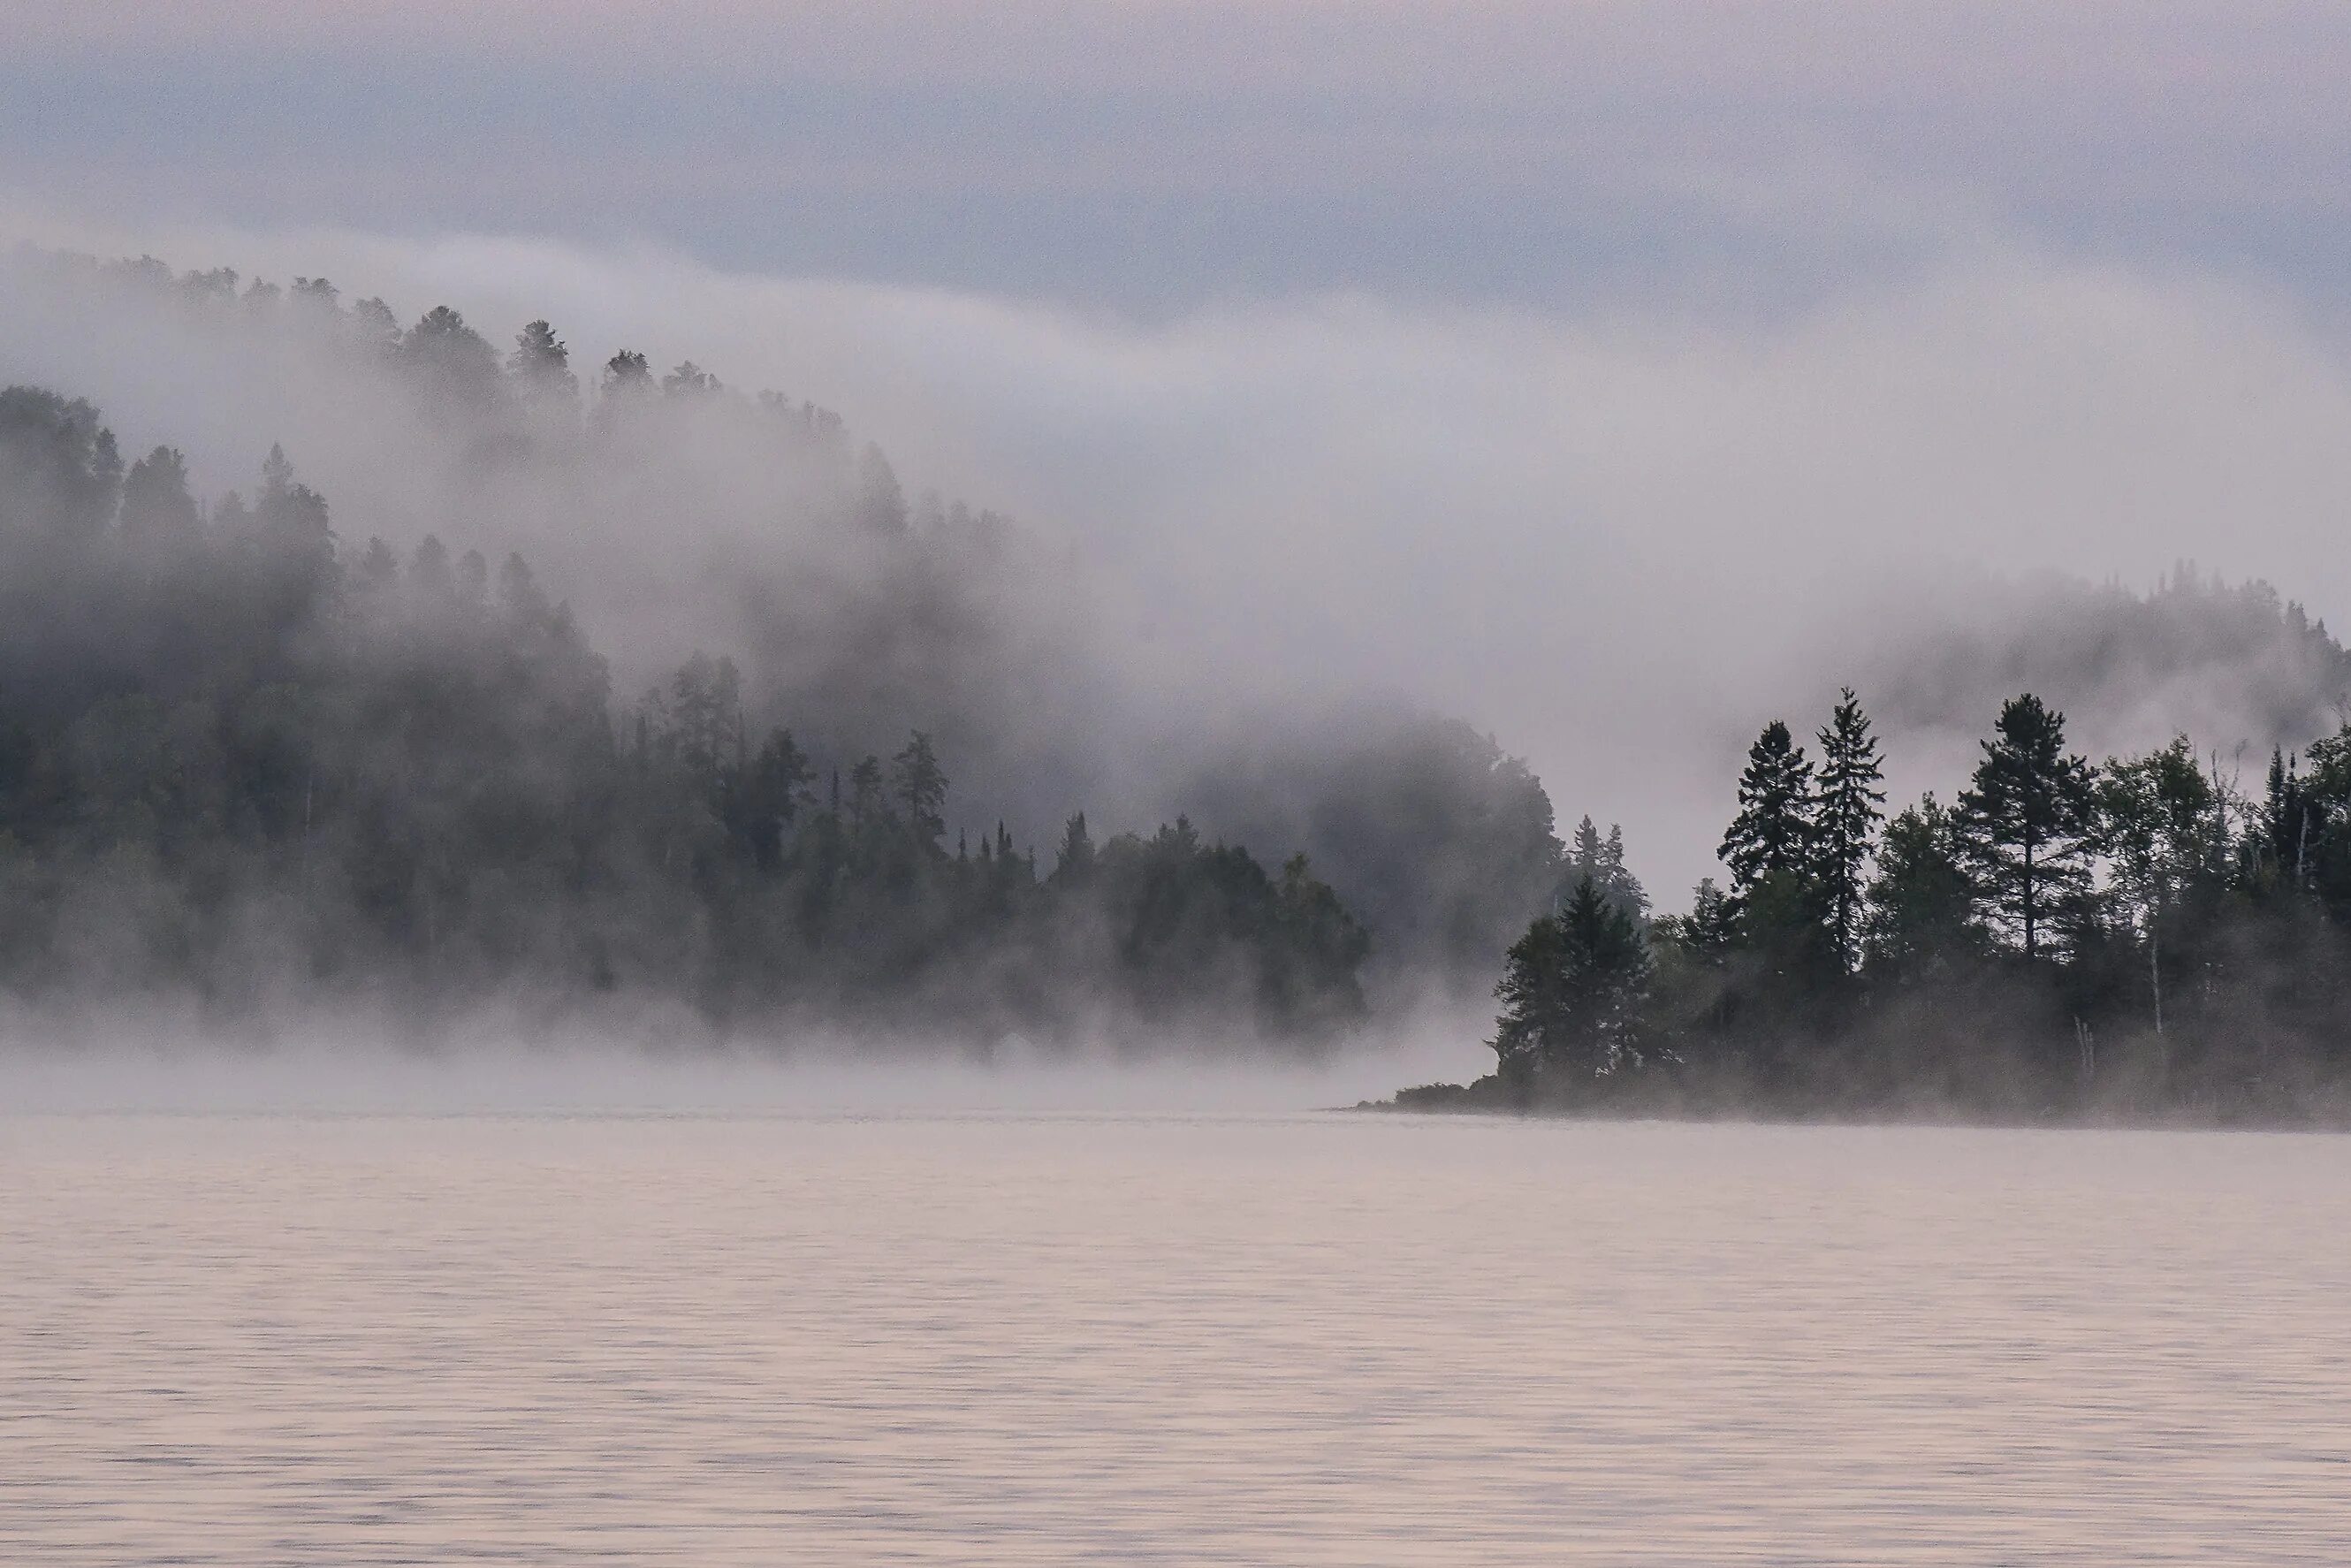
244 759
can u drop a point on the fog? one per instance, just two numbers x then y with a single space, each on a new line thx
1617 540
338 1061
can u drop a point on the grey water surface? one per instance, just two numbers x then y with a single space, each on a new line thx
715 1341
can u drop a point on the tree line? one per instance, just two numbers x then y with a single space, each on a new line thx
242 760
683 509
2138 938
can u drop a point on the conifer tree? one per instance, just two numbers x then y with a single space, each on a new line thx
2287 819
1773 831
1920 912
541 366
2026 824
920 785
156 505
1074 861
774 791
1602 861
1572 993
1712 926
455 365
1847 806
865 793
626 374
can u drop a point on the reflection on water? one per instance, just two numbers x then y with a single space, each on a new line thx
1334 1339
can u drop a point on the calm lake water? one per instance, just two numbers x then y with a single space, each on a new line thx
1321 1339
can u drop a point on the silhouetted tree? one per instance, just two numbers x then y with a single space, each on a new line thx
1602 861
1921 907
1572 993
2027 824
1847 806
1773 832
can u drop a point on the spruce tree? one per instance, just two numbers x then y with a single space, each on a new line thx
1602 861
2027 824
1847 806
1710 927
1572 994
1773 831
1073 862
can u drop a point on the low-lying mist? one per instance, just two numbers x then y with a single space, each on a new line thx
1317 573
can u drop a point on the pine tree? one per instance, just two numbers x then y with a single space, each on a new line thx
1847 806
2026 825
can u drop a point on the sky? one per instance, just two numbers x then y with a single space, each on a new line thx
1575 367
1148 156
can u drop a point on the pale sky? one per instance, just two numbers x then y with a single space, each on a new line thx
1150 156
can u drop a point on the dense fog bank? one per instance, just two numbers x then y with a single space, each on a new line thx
576 684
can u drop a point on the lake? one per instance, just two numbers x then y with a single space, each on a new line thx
705 1340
